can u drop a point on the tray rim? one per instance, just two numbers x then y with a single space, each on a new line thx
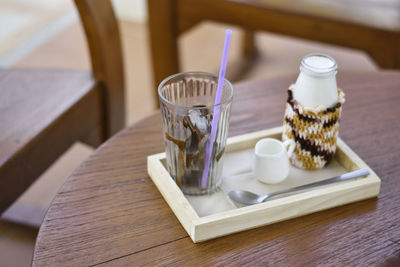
208 227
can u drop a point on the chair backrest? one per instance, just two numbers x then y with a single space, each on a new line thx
103 38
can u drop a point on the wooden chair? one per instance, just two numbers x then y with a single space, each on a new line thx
43 112
371 26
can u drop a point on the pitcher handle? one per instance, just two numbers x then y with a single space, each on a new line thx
292 146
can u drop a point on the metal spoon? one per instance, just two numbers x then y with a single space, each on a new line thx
248 198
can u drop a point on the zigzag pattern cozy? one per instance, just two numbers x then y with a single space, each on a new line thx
313 130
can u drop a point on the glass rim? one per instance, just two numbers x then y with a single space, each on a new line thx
161 85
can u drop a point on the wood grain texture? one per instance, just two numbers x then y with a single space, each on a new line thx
110 212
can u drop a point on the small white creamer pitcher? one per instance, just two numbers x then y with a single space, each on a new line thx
271 161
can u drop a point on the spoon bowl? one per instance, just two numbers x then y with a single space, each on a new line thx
244 197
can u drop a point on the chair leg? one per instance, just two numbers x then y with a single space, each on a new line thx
95 137
163 33
387 59
385 51
249 49
245 63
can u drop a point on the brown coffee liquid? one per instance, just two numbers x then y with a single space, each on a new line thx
192 149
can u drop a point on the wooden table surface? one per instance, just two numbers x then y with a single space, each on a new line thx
110 212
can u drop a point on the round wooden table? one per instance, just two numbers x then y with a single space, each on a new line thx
110 212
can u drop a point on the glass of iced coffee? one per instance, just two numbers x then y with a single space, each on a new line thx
187 109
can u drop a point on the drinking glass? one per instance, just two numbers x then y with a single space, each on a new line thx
187 109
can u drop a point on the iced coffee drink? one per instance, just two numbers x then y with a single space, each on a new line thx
186 102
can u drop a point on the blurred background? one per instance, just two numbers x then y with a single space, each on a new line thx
48 34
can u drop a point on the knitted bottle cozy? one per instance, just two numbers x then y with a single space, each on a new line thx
313 130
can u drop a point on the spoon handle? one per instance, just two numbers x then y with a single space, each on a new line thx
343 177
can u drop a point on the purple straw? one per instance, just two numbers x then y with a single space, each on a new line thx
214 125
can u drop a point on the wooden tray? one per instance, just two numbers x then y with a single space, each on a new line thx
203 227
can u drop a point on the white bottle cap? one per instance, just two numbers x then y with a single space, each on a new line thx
318 65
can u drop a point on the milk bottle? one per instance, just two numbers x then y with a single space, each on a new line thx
316 85
312 113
